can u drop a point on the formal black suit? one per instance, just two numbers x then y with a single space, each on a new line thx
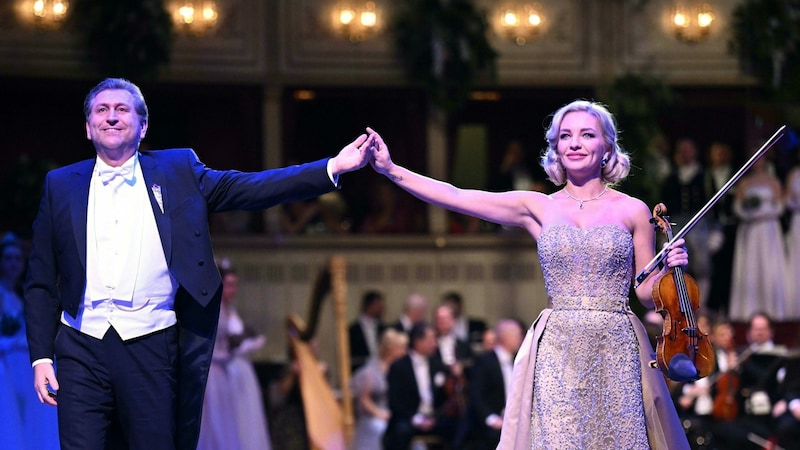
475 331
399 326
487 396
189 193
404 400
359 350
463 353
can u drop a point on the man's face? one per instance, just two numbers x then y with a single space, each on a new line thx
760 331
113 125
427 345
377 308
444 320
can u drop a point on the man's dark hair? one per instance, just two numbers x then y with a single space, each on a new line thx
369 298
417 333
454 297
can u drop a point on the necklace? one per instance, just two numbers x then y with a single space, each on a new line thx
581 202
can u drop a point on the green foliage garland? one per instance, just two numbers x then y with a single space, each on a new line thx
444 47
638 101
128 38
765 37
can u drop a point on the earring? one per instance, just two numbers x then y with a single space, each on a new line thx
604 162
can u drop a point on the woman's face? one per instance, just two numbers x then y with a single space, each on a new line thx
11 263
580 143
230 286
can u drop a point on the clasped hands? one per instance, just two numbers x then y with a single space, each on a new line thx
366 148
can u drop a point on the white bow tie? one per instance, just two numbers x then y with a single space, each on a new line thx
108 174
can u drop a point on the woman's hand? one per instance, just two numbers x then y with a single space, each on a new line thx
381 160
677 254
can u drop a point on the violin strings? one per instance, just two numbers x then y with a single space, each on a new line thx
685 302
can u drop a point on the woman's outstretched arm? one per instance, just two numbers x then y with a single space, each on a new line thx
514 208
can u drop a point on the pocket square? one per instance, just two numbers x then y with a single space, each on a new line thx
157 194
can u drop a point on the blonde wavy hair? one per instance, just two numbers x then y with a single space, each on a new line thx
618 164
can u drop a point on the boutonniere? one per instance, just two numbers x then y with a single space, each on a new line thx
439 379
157 194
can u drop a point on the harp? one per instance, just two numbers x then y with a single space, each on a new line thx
329 422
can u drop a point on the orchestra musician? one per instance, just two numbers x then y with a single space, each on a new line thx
758 371
714 397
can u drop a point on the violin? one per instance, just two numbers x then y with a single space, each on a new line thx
683 351
455 391
725 406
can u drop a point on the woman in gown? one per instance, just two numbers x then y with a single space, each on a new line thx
582 378
248 399
25 423
793 243
370 391
218 426
758 277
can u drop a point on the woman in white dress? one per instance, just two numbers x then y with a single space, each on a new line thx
248 401
793 243
370 391
759 257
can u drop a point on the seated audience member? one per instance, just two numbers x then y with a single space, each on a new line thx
468 329
365 332
488 387
370 391
416 392
415 310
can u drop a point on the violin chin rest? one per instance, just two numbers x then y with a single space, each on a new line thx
681 369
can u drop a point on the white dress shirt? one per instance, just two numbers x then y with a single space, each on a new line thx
423 376
447 349
369 325
128 283
461 328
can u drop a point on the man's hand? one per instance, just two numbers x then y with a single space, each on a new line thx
44 376
352 157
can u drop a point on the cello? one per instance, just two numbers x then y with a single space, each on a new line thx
683 351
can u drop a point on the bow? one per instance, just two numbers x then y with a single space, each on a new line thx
108 174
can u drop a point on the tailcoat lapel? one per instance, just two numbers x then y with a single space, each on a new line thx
79 204
156 180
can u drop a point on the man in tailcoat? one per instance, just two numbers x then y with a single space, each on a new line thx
122 292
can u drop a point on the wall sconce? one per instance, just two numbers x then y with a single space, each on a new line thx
521 23
196 17
356 23
692 24
46 14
